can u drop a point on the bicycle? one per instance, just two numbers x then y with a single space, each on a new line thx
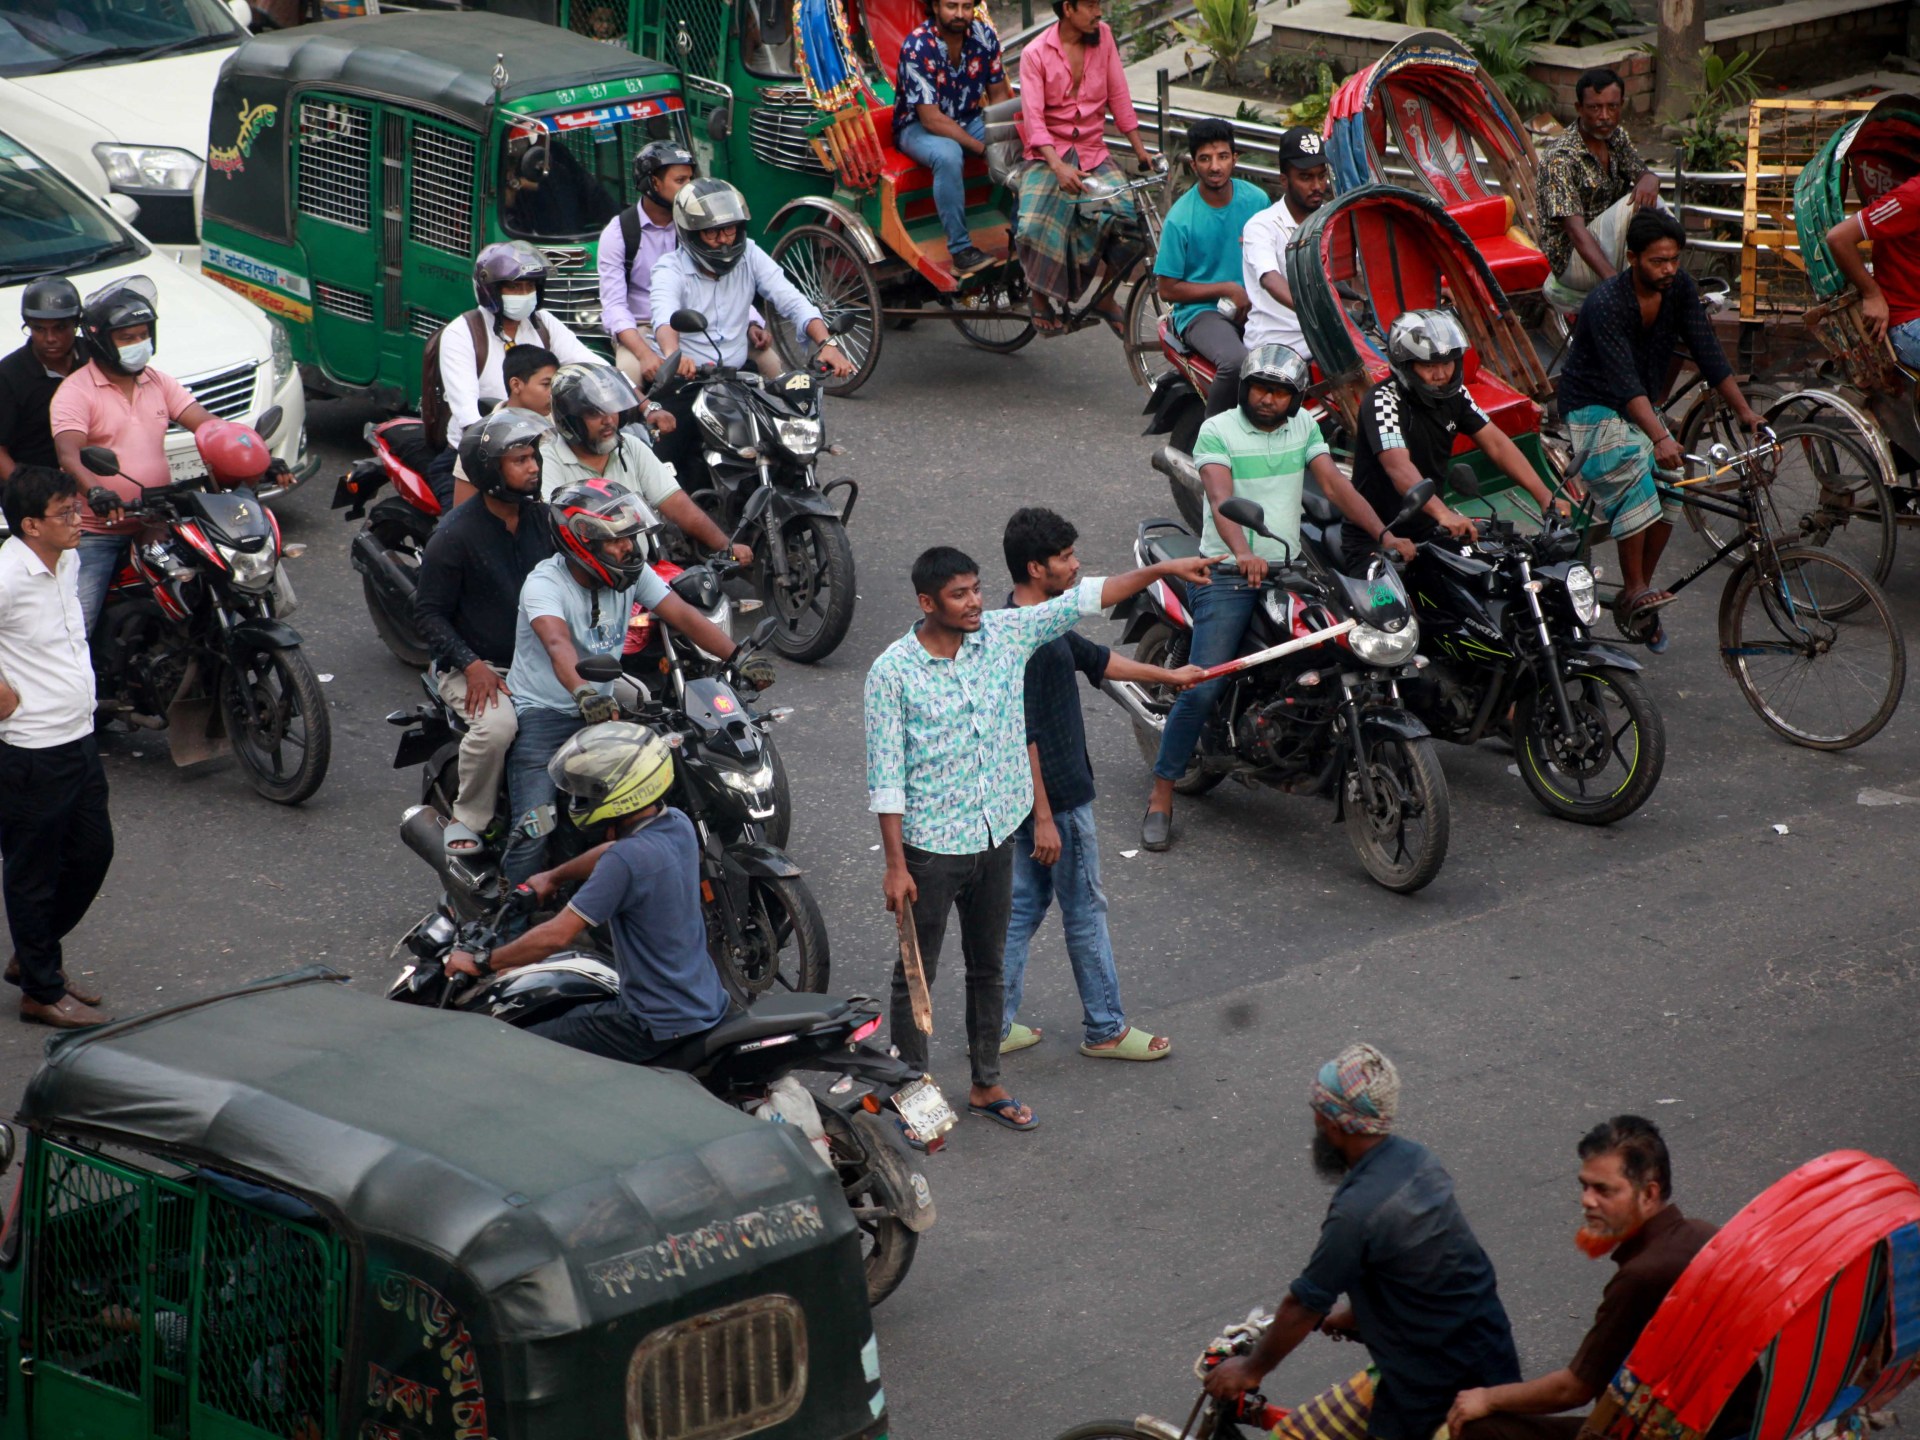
1210 1419
1790 614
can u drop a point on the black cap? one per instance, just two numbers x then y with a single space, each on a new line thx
1303 148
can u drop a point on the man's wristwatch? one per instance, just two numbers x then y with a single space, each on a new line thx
483 961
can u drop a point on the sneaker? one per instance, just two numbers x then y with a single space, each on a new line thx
970 260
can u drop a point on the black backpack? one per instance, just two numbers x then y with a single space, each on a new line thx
433 394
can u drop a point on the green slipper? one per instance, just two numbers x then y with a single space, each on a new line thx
1019 1037
1136 1044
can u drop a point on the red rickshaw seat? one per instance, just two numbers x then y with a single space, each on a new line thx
1517 266
908 176
1506 407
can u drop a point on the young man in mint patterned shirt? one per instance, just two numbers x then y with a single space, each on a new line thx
949 776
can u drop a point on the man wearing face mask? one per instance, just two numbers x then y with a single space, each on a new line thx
120 401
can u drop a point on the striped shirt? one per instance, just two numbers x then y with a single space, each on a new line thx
1269 467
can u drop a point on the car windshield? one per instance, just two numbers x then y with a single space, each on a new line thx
566 174
48 226
41 36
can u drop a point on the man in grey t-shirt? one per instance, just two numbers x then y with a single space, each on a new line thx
577 603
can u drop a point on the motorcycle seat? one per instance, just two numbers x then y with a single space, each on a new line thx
771 1015
1172 545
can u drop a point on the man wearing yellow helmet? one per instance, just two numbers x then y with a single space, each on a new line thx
642 882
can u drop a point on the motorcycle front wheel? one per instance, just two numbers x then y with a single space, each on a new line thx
886 1244
1608 769
1402 838
814 606
277 722
783 939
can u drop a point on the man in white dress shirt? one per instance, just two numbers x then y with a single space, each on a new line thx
1307 181
56 839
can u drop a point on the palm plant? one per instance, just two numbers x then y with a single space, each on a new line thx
1224 29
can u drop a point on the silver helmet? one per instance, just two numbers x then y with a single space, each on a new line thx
710 204
1427 336
1275 364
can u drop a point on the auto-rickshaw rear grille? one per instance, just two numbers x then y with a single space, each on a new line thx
347 304
336 154
423 324
778 135
228 394
441 214
719 1375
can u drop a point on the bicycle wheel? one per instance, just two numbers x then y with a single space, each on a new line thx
983 319
1827 493
824 267
1813 646
1709 422
1145 310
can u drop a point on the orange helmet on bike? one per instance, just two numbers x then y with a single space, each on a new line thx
588 516
234 454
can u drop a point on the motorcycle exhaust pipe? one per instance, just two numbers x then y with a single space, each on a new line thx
1178 466
424 830
371 559
1132 699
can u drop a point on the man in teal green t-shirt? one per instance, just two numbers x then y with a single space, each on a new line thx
1261 450
1199 261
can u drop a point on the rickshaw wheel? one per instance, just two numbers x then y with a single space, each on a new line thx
1144 312
1002 337
825 267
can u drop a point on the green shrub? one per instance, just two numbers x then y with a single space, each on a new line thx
1224 28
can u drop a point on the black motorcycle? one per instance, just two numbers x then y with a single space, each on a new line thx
747 1061
1312 707
759 444
388 548
1504 622
190 642
763 924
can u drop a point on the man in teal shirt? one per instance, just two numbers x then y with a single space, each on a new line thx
1199 261
1262 450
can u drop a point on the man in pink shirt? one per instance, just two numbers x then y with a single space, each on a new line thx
118 400
1070 77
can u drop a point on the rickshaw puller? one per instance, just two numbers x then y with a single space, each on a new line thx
1618 362
949 72
1069 78
1890 292
1592 183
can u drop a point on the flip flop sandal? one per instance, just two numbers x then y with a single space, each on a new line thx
1136 1044
1019 1037
461 840
1001 1113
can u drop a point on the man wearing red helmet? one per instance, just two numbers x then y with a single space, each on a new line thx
579 603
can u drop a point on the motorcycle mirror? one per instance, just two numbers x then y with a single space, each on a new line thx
1463 481
100 460
669 372
763 632
599 668
269 422
489 404
1244 513
1416 500
842 323
688 322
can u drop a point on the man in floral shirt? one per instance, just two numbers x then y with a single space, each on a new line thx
949 70
949 775
1592 181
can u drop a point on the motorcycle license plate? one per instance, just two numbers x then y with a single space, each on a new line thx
925 1109
184 464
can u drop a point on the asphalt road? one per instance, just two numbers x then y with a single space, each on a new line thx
1753 991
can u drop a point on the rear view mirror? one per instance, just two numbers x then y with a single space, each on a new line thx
488 404
763 632
1416 501
1245 513
100 460
719 126
124 206
843 322
269 421
1463 481
599 668
688 322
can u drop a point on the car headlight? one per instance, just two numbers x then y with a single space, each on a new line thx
282 352
1582 591
1378 647
801 437
249 569
147 167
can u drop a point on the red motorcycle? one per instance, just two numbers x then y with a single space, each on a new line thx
387 550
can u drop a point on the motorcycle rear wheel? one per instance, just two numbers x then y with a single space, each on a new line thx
275 706
1605 701
1153 650
886 1244
817 610
1409 774
404 541
786 936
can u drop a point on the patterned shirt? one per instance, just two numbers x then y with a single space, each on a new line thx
947 739
1572 182
929 76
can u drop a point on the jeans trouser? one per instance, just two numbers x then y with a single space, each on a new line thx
1220 615
56 838
101 557
529 787
1906 342
945 158
1073 879
1216 337
607 1028
980 886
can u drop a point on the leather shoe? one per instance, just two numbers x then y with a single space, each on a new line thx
66 1013
79 992
1156 831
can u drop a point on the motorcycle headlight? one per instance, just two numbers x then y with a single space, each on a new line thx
147 167
1582 591
282 353
748 782
1378 647
249 569
802 437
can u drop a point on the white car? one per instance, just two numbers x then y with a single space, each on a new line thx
116 93
230 354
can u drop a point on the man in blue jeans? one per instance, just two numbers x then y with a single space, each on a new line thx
1056 853
949 70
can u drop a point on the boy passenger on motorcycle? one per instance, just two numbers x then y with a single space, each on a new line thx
1262 449
642 883
579 603
528 371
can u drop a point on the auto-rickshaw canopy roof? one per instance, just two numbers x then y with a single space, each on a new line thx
440 61
450 1132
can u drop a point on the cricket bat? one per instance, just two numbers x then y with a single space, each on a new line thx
910 964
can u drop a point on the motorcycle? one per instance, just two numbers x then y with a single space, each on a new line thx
1313 706
1209 1419
387 550
760 442
1504 624
748 1060
193 638
763 924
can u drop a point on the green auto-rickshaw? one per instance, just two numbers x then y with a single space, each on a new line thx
299 1211
356 168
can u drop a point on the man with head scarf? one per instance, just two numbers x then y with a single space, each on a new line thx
1420 1291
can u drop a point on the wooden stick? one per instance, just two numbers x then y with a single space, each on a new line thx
1274 652
916 975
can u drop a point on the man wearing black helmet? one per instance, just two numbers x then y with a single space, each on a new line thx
632 243
1263 449
1408 424
50 314
470 577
